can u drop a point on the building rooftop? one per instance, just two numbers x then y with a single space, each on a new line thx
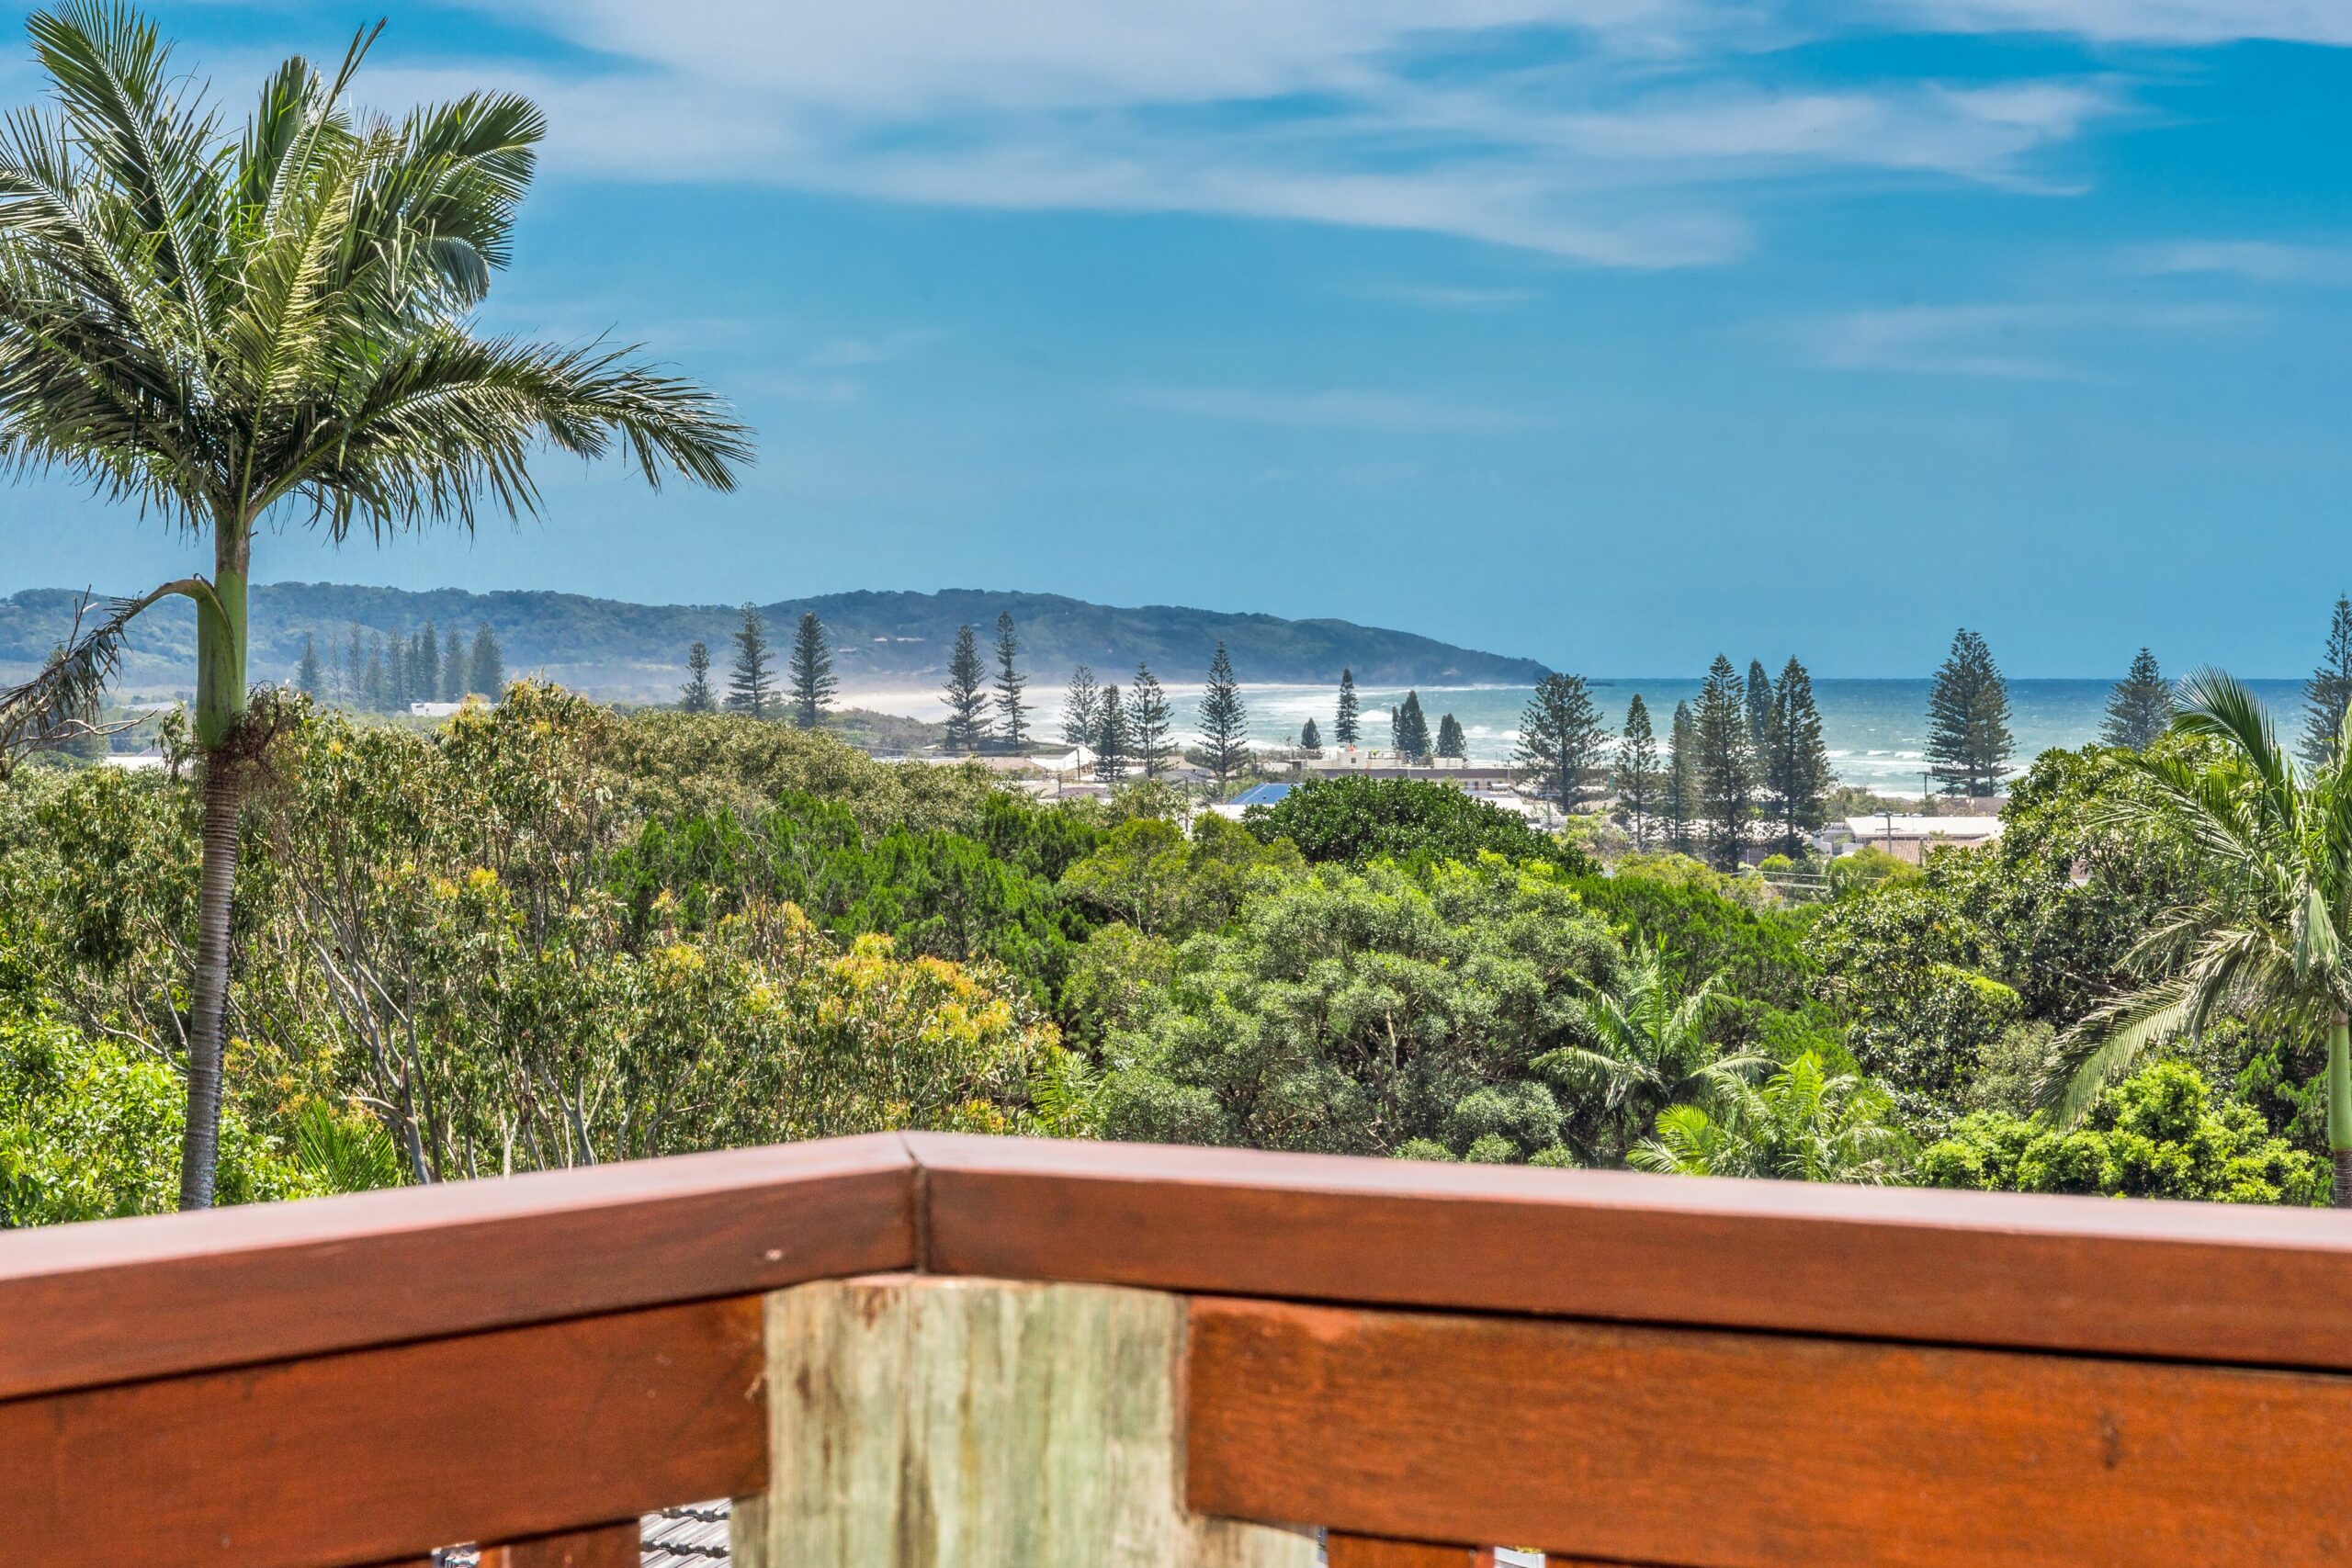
1960 830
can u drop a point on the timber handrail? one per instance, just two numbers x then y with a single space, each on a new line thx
1440 1353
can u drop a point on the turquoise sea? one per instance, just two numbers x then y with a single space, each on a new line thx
1876 731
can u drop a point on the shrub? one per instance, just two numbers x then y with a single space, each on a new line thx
2159 1133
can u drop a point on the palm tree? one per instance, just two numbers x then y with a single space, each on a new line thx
2263 935
1804 1124
276 324
1649 1045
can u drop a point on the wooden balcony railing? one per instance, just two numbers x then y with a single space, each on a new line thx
895 1351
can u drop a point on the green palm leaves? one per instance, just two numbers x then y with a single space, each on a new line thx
2264 937
1649 1047
216 326
220 328
1803 1123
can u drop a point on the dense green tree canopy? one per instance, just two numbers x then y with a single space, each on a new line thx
1357 820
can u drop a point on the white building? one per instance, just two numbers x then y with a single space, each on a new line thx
1910 837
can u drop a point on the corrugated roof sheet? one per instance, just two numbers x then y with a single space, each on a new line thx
691 1537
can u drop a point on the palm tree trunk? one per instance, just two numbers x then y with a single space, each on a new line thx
220 710
200 1143
2339 1105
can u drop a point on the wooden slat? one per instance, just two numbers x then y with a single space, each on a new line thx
1374 1551
603 1546
121 1300
2173 1280
371 1456
1739 1450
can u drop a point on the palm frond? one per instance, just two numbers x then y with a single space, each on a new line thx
74 678
2103 1046
449 422
2219 706
111 71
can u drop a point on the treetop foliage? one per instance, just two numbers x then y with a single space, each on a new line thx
1357 820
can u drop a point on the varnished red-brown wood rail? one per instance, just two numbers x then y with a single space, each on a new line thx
2201 1281
1721 1450
120 1300
373 1456
1616 1368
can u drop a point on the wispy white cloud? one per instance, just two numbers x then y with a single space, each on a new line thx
2136 21
2256 261
1450 297
1922 340
2013 342
833 371
1391 413
1631 138
852 352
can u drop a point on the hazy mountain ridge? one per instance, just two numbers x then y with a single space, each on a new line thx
620 649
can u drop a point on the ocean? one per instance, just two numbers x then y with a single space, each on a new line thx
1876 731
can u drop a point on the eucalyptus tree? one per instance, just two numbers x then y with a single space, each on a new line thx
230 327
2265 933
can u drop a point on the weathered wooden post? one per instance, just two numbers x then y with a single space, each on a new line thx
917 1422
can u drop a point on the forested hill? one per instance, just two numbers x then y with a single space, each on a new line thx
623 650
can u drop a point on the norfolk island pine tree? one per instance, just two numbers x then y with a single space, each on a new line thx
2140 708
1150 721
277 327
695 696
1078 709
1012 711
810 672
1225 722
751 687
966 694
1347 724
2327 694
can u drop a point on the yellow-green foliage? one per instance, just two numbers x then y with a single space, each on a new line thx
2159 1133
688 764
1151 874
428 925
88 1131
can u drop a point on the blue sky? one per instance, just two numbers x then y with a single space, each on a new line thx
1609 331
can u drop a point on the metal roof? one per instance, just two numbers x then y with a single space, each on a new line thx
691 1537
